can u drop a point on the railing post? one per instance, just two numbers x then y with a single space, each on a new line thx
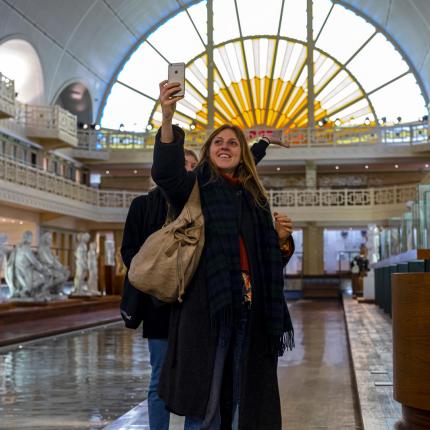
372 197
345 195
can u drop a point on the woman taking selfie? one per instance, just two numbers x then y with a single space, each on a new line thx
225 337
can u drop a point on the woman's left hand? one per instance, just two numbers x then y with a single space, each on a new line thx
283 226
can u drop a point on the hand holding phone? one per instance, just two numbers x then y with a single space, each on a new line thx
176 73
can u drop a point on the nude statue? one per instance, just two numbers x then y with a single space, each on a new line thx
81 259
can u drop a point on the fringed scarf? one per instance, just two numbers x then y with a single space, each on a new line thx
223 274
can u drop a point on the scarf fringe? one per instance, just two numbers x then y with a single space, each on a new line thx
283 343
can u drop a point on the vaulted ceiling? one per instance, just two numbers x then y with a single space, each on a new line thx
88 40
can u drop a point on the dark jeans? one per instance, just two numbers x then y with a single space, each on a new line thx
234 339
159 416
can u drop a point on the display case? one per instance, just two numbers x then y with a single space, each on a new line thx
421 217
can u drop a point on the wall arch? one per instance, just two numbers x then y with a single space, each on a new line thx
20 61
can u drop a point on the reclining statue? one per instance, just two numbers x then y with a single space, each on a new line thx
25 274
59 273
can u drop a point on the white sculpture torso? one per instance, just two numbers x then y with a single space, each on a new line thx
93 270
81 259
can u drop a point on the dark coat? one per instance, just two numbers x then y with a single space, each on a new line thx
187 372
146 215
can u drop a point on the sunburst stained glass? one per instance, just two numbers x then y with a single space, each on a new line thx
261 69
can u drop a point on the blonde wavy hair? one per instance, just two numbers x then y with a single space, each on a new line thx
246 171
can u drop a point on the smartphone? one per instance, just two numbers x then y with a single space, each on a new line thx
176 73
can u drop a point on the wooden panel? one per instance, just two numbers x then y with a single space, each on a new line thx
411 339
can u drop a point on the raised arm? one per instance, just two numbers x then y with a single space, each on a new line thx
168 169
259 148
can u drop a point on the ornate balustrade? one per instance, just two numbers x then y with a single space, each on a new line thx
7 97
51 126
366 197
401 134
21 174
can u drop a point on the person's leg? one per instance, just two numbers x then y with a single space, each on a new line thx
239 341
159 416
212 420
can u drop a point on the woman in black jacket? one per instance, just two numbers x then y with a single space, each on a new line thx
225 338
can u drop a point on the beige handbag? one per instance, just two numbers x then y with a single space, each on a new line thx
168 259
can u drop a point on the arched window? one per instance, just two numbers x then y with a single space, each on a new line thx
19 61
261 69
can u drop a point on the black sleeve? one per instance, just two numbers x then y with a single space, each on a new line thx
168 169
259 150
132 230
287 255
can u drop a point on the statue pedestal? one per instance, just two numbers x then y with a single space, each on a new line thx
369 286
411 348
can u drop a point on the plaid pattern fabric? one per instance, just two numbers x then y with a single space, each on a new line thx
223 274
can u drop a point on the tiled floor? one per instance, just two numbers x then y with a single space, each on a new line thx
89 380
315 380
80 381
371 339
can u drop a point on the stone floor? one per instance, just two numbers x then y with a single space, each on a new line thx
98 378
371 340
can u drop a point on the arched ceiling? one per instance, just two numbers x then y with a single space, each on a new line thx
87 40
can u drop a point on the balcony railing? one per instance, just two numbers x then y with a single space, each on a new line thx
401 134
51 126
22 174
7 97
365 197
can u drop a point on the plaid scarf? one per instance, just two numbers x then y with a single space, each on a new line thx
223 274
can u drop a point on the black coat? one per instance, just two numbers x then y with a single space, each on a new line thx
146 215
187 372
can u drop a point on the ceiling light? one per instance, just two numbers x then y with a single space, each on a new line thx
367 121
399 119
97 127
337 167
366 166
85 126
192 126
337 122
107 172
278 169
121 127
149 127
21 222
427 166
396 166
135 172
320 123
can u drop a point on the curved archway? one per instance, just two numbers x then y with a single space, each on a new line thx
20 62
75 97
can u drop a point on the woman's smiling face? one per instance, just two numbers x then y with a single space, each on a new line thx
225 151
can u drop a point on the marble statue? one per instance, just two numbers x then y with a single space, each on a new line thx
59 273
81 271
25 274
3 240
93 272
109 253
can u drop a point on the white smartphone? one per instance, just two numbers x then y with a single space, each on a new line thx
176 73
